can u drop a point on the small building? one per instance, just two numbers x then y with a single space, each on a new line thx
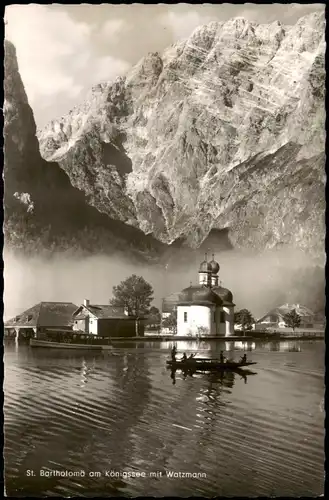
206 308
106 321
39 318
275 318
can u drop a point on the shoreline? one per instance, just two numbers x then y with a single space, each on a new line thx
233 338
116 341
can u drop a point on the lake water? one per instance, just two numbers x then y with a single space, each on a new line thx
121 413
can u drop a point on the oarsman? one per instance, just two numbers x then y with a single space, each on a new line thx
243 359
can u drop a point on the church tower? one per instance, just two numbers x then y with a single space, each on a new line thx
214 271
208 272
205 272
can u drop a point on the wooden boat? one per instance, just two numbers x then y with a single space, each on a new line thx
203 364
63 345
68 339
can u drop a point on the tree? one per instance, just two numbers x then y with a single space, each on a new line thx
202 331
135 294
170 322
292 319
154 317
245 319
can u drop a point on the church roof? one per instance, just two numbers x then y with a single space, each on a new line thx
207 295
196 294
172 298
199 294
225 294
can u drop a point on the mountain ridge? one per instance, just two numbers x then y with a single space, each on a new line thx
160 160
168 147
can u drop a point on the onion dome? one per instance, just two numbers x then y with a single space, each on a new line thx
205 266
199 295
214 265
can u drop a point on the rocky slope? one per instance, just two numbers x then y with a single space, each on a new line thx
43 211
224 130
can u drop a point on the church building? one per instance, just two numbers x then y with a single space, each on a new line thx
206 308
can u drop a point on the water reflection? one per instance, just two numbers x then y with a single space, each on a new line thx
213 347
67 402
187 345
121 410
220 377
282 346
290 346
86 371
244 345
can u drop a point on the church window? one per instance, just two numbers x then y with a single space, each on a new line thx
222 317
185 317
214 316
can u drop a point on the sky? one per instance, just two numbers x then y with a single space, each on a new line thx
63 50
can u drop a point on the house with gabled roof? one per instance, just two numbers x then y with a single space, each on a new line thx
106 321
275 317
40 318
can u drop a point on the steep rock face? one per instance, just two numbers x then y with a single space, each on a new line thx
43 212
224 131
19 133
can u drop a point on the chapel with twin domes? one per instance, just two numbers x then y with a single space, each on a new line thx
206 308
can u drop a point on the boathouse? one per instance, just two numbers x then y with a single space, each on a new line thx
206 308
106 321
39 318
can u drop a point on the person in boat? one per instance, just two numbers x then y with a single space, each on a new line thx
191 356
184 358
222 358
243 359
173 354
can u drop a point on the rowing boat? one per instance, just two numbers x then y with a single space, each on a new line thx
207 364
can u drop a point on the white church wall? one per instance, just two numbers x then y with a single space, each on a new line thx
225 328
205 317
229 321
221 325
195 316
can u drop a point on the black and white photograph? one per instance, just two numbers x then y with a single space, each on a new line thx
164 250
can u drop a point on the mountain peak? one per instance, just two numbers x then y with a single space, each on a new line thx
229 119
